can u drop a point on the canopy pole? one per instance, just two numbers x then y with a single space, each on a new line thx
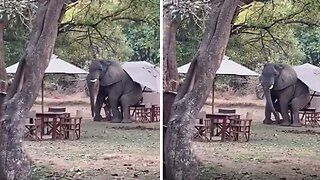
42 85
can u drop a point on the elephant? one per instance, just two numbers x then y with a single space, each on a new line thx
114 84
283 91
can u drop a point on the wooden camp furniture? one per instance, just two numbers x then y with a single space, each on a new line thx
156 113
202 127
240 129
32 127
220 124
226 111
304 111
312 119
51 121
145 113
70 127
56 109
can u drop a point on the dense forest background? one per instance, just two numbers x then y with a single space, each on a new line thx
273 31
116 30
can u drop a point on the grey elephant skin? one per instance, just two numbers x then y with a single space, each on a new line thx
283 91
115 85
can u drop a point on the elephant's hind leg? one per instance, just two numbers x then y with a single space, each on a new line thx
298 103
128 100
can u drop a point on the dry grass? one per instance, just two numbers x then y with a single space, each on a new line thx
274 152
105 151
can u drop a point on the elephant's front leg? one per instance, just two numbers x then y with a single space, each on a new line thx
114 95
267 113
107 110
284 101
100 99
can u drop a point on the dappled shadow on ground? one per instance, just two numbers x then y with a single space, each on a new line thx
274 152
103 152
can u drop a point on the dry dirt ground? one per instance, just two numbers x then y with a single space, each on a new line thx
273 152
105 150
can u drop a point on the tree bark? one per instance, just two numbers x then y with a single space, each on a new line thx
181 163
14 163
170 72
3 72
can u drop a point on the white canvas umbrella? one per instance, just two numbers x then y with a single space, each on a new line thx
144 73
227 67
309 74
56 66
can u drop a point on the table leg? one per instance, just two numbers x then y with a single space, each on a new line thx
152 113
42 126
211 129
54 128
223 130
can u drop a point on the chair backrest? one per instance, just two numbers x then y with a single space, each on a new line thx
79 114
148 105
31 116
249 115
57 109
227 111
201 115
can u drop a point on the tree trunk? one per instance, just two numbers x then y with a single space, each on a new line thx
181 163
170 72
3 72
14 163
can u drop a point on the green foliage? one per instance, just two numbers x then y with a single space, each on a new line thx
144 41
309 42
263 32
188 38
17 16
117 30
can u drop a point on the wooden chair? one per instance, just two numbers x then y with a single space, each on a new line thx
156 113
201 127
143 113
70 127
240 129
33 127
312 119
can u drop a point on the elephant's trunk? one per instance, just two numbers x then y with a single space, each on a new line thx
92 95
269 102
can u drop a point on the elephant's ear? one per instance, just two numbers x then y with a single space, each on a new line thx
287 76
112 73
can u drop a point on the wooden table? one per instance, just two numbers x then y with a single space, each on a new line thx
55 121
222 120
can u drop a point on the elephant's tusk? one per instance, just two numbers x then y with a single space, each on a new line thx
271 86
94 80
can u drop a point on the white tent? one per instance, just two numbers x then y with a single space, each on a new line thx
144 73
309 74
56 66
227 67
